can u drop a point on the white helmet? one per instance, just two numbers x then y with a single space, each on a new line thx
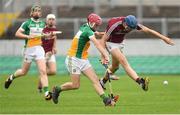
50 16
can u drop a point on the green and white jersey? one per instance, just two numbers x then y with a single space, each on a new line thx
81 42
32 27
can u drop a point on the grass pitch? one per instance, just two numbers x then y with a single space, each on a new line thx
23 97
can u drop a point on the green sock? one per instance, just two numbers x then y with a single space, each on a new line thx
103 96
45 89
58 88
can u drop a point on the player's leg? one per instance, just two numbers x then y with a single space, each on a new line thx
118 55
18 73
94 79
72 66
41 65
51 69
113 68
72 85
51 65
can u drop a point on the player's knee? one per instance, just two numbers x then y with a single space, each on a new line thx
52 72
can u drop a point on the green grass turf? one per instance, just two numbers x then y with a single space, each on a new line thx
23 97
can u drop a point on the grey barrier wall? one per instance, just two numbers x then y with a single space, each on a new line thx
133 47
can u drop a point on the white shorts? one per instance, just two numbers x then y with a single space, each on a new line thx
110 46
33 53
76 65
51 58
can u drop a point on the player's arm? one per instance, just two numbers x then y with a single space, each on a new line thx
54 49
103 40
156 34
20 34
101 50
99 34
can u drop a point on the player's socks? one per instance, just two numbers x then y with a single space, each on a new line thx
11 77
139 81
48 95
58 88
103 96
45 89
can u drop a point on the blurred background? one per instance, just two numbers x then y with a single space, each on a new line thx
146 54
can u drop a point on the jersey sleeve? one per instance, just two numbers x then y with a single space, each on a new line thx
112 24
139 27
90 34
108 26
24 26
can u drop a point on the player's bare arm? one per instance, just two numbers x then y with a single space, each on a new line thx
157 34
99 34
20 34
105 57
103 40
54 49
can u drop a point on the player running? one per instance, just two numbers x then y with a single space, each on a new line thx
77 60
49 46
113 38
30 30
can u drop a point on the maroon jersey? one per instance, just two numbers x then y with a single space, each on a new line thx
48 43
116 31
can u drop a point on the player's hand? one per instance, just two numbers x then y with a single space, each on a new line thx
99 34
30 36
105 60
54 50
168 41
48 55
47 36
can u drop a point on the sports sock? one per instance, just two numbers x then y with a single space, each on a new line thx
140 80
58 88
103 96
12 77
45 89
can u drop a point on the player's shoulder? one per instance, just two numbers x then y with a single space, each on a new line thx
115 20
85 28
27 21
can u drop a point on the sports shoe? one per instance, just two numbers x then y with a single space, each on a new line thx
109 102
116 98
8 82
102 84
55 95
49 96
145 83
